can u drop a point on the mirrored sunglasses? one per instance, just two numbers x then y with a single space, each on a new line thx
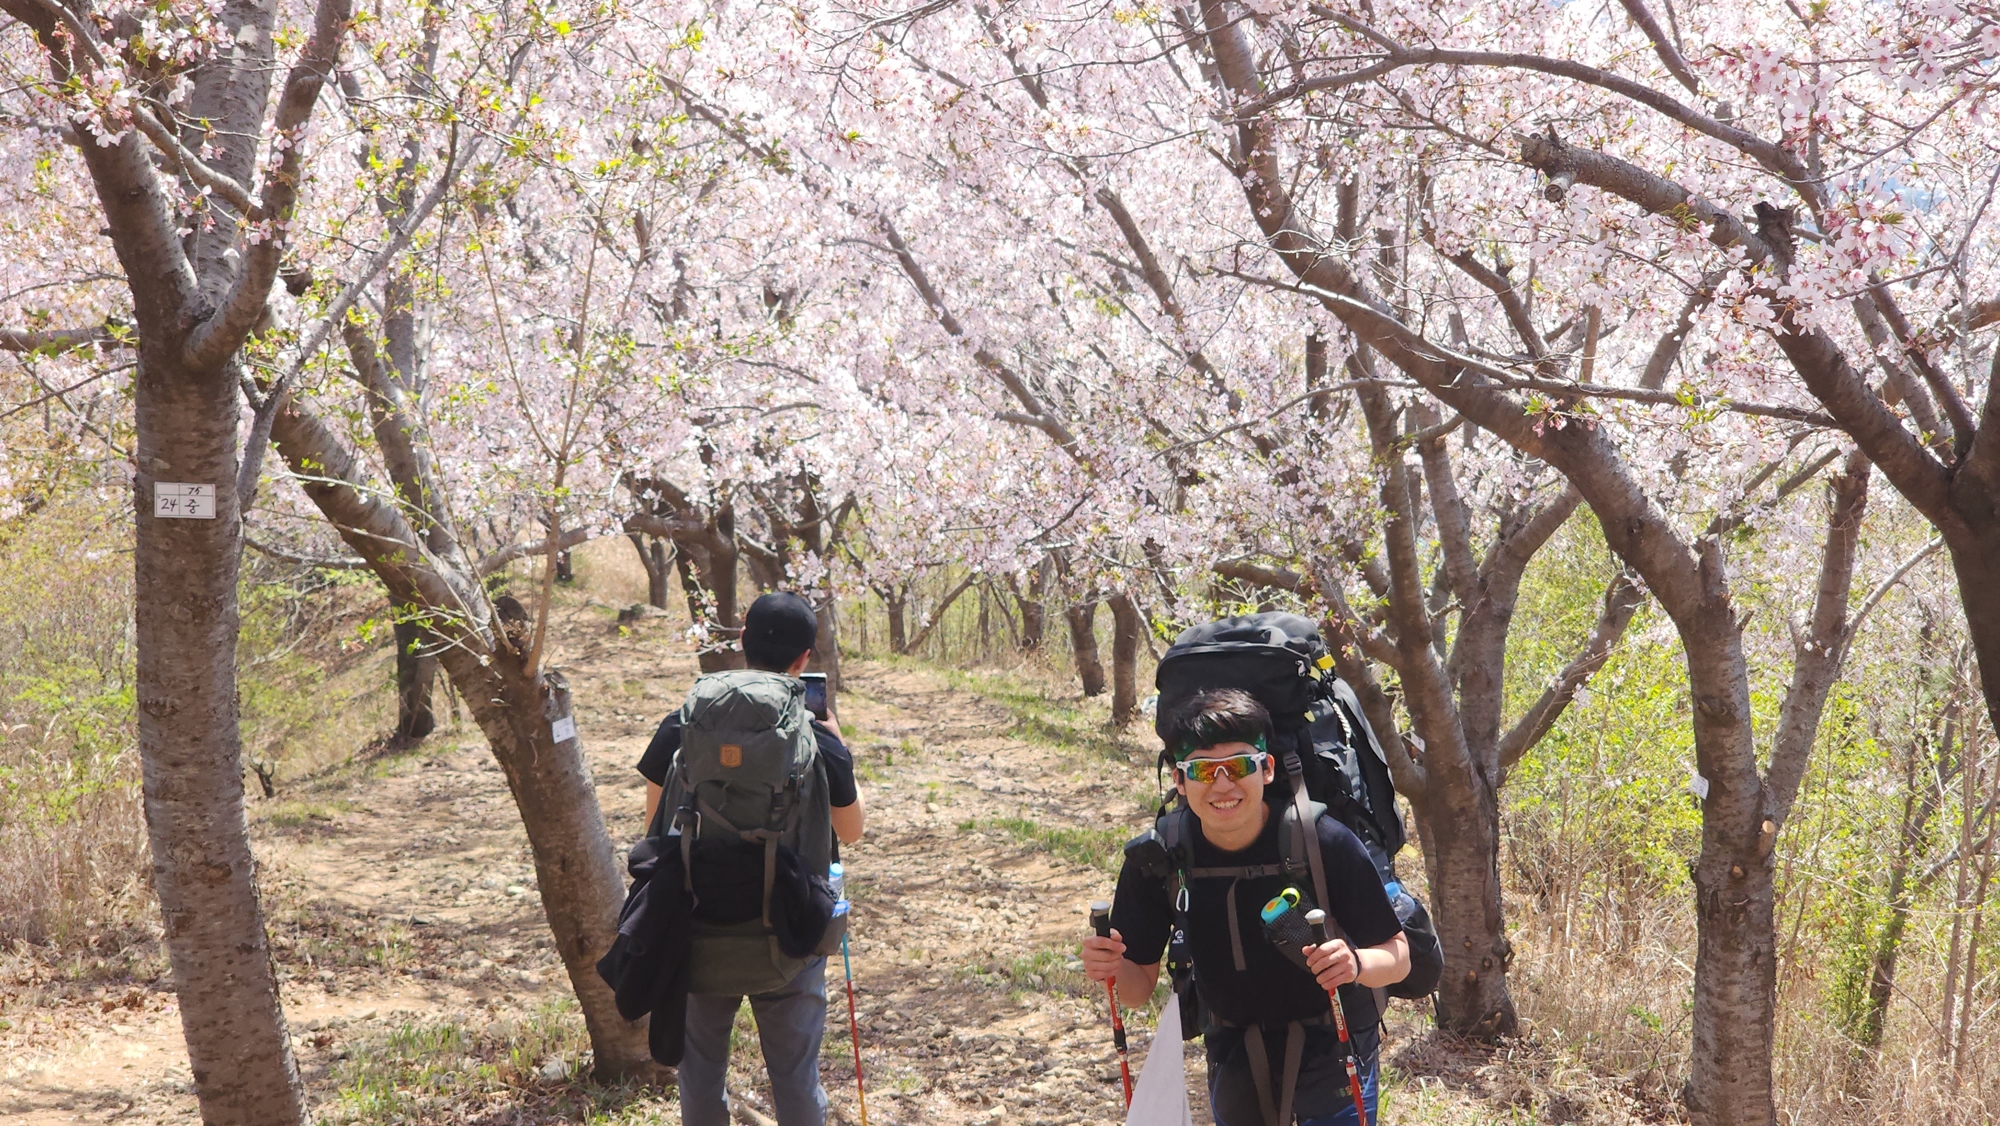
1207 770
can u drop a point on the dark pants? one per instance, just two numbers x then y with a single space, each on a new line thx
790 1022
1321 1096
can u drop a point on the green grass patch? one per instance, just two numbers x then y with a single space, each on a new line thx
1065 725
417 1072
1049 969
1096 848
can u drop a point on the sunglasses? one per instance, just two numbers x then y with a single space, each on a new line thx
1207 770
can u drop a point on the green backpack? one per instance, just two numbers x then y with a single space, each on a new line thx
748 771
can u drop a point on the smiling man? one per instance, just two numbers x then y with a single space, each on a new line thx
1273 1052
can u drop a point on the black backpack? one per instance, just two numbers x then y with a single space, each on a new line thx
1328 751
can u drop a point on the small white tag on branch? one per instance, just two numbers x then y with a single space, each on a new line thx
563 730
178 500
1698 786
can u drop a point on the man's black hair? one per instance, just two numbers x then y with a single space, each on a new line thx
777 628
1213 717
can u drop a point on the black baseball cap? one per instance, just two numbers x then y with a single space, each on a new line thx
778 627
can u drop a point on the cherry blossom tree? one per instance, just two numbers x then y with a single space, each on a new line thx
192 145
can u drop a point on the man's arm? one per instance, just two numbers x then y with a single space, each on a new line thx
1337 963
652 801
847 821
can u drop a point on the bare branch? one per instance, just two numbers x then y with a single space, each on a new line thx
1662 45
1817 657
1621 599
549 545
215 338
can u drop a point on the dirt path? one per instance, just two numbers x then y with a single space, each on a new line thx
402 900
421 986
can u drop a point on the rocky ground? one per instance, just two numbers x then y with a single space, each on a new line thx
421 986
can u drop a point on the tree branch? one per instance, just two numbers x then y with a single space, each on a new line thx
221 334
1621 598
1817 659
1662 45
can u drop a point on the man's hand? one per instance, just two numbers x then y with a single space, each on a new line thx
1101 956
1334 964
831 722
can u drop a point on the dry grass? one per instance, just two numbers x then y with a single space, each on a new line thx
72 841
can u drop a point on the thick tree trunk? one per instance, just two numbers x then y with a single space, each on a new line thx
190 752
1083 645
1034 623
1975 560
1034 609
1127 626
577 870
416 669
709 583
1460 834
581 884
899 626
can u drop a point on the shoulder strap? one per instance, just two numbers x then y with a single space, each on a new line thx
1305 829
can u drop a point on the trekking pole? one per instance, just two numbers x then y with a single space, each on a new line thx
854 1030
1316 918
837 883
1100 921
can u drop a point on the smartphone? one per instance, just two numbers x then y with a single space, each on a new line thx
815 694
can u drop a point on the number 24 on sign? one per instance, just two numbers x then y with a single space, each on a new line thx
175 500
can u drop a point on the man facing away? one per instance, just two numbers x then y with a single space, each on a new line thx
778 636
1255 999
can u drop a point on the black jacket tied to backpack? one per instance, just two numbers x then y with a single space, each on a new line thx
647 965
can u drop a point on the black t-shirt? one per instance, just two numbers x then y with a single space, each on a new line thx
839 760
1270 989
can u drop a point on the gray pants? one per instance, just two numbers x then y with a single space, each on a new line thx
790 1023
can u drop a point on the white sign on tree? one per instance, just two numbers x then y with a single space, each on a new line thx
176 500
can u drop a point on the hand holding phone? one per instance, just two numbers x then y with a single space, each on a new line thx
816 694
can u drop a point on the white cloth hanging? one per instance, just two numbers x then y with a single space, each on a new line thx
1160 1096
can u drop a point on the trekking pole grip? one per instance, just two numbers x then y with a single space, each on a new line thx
1100 921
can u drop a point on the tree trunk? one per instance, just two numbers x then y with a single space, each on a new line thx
1034 623
577 871
416 669
1034 611
1083 645
653 557
826 646
1461 840
190 750
709 582
899 631
1127 625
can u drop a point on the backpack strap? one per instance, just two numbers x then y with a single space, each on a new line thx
1276 1112
1305 826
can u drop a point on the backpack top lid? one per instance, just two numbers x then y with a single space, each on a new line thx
1274 657
745 731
